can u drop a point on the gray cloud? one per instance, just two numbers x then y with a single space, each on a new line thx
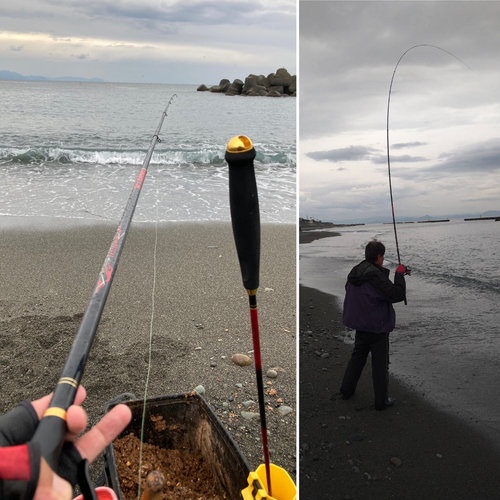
379 159
352 153
80 56
16 49
403 145
480 158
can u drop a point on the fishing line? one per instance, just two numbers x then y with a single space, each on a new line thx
388 155
150 346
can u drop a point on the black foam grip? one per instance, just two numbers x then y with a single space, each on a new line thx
50 435
244 202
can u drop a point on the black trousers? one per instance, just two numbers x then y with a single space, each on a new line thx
378 345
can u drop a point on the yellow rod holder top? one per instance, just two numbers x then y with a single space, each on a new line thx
239 144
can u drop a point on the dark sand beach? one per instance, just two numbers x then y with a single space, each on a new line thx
309 236
346 447
201 319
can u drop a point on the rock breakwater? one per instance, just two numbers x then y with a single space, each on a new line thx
279 84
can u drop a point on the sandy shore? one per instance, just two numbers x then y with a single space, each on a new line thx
346 447
201 319
310 236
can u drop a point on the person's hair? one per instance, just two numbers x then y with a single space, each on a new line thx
373 250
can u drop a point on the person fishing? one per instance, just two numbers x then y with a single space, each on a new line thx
368 310
24 475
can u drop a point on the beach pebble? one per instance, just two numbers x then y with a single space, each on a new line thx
325 355
241 360
197 348
439 455
247 415
213 364
239 386
304 447
356 470
199 389
395 461
225 404
284 410
355 437
248 403
272 373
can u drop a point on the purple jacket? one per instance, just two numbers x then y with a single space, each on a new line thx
369 298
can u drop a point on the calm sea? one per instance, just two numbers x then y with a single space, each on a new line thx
73 150
447 339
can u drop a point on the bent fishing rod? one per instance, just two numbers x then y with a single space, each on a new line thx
245 218
52 428
408 271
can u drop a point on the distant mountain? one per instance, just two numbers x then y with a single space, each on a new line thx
10 75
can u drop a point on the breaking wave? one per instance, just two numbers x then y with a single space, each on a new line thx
212 154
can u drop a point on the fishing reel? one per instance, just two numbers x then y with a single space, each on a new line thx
407 270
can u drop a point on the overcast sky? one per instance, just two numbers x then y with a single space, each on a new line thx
444 118
151 41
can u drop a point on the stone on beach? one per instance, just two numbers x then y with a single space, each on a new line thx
284 410
241 359
199 389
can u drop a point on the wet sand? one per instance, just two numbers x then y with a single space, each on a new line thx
49 269
346 447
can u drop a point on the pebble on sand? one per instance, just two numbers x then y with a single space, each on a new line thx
199 389
248 415
284 410
241 360
271 373
395 461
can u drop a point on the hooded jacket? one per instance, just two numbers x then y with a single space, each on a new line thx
369 298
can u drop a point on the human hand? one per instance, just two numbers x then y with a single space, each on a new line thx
401 269
50 485
90 445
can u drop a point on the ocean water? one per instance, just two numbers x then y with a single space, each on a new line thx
447 339
73 150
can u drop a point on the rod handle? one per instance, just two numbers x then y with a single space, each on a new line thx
50 434
244 204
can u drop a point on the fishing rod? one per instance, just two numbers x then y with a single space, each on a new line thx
244 204
52 428
408 270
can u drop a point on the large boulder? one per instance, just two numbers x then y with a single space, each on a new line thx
292 88
225 87
223 82
235 88
279 89
215 88
255 88
281 79
202 88
273 93
263 80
